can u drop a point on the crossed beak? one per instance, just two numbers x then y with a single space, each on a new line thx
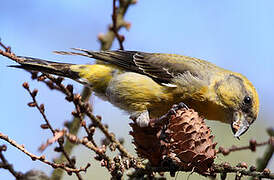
240 124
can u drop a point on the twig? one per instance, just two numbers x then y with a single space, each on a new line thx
84 107
6 165
35 104
57 135
99 151
107 39
81 107
41 158
7 53
110 136
263 161
106 43
252 146
56 84
7 49
119 37
223 168
41 109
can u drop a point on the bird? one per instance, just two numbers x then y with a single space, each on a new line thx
147 85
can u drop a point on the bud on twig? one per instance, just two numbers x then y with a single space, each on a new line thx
34 92
252 168
34 75
266 171
70 88
26 85
31 104
101 37
252 144
3 147
59 80
41 78
44 126
42 107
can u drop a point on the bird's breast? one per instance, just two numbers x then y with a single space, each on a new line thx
135 92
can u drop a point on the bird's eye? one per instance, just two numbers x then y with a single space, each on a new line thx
247 100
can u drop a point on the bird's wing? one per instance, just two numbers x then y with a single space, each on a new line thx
163 68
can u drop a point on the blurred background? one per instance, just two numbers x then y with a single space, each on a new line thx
236 35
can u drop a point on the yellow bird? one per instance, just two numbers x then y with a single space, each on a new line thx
147 85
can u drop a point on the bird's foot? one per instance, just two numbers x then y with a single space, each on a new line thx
142 118
175 107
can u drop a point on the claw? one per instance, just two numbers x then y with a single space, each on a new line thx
182 105
171 112
175 107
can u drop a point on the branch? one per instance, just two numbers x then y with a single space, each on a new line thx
107 39
223 168
263 161
7 52
41 109
99 151
7 49
81 109
84 107
41 158
226 168
119 37
106 43
6 165
252 146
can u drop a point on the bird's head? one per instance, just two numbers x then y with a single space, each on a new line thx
240 98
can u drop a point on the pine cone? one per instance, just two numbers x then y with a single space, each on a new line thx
147 143
185 138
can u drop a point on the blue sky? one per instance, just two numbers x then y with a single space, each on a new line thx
236 35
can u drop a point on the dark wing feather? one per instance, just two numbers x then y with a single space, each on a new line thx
129 60
154 70
162 68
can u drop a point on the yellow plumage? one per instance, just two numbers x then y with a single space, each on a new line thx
97 76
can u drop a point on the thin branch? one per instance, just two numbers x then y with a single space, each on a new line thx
110 136
226 168
106 41
6 165
119 37
264 160
252 146
81 108
7 53
35 104
99 151
41 158
216 168
6 48
41 109
84 107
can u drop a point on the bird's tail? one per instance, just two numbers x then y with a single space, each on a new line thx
35 64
